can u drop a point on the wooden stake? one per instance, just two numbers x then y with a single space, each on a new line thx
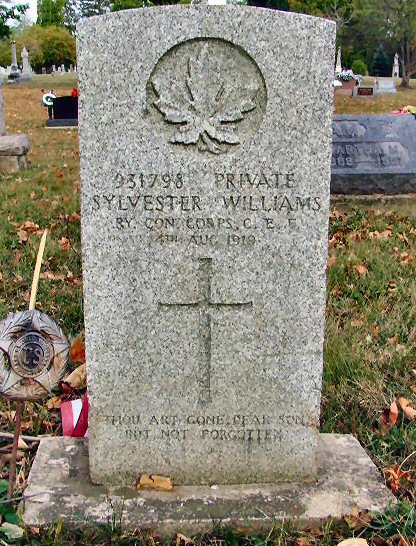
20 403
35 282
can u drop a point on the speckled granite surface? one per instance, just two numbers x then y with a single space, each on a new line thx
205 140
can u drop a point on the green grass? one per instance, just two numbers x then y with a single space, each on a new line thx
376 104
370 332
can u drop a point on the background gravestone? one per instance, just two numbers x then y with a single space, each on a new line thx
374 154
205 162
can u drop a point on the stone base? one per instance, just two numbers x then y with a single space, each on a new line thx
59 488
13 153
61 124
13 163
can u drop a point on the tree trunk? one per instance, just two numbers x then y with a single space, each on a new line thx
405 76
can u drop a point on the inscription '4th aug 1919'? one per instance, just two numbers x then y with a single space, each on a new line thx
204 305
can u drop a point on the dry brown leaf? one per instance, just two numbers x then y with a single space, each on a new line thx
74 217
362 270
407 408
332 260
64 244
23 236
394 475
389 418
52 276
393 340
77 352
78 378
386 234
154 481
17 257
357 323
354 542
53 403
180 537
376 329
30 227
336 291
303 541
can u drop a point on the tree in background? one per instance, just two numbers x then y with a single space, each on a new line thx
282 5
88 8
51 12
381 65
118 5
394 21
9 12
46 46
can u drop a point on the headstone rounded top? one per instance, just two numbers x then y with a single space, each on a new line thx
34 353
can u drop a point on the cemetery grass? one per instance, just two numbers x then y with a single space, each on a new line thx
369 344
377 104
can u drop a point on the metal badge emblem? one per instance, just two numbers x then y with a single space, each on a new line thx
34 354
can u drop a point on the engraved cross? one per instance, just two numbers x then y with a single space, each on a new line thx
204 305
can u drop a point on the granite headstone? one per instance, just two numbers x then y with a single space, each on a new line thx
205 157
204 190
374 154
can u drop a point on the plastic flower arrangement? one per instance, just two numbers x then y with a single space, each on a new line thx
346 76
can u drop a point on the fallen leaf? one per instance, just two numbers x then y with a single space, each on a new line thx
336 291
30 227
23 236
407 408
354 542
74 217
78 378
386 234
65 244
392 287
389 418
357 323
403 237
53 403
17 257
77 352
376 329
159 483
395 474
332 260
52 276
362 270
393 340
180 537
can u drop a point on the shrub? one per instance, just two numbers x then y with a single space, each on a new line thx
359 67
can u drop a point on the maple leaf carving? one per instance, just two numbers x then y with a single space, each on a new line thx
204 107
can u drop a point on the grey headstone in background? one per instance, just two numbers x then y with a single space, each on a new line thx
205 143
14 69
374 154
26 68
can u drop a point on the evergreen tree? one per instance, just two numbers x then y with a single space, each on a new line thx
381 65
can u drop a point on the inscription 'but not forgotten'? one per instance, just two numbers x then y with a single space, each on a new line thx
204 228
